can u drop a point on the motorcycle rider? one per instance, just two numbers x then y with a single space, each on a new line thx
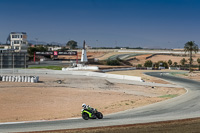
88 108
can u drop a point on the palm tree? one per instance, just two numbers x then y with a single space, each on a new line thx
191 47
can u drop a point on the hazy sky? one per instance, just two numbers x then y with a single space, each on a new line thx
133 23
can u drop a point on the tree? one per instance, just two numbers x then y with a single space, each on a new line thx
161 64
72 44
148 63
139 65
169 62
191 47
183 61
42 49
113 62
175 64
32 50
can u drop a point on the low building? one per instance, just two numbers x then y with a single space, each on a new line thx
18 41
5 46
54 48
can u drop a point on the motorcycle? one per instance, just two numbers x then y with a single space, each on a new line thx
91 114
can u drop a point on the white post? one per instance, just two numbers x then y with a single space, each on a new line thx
13 63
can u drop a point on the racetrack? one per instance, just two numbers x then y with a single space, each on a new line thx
185 106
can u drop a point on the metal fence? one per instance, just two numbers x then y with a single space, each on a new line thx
13 60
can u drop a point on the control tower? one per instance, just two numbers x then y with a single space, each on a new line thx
84 54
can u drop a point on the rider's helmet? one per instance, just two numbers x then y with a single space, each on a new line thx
84 105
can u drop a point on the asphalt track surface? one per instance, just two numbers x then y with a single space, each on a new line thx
185 106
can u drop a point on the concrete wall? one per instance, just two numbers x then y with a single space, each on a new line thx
105 75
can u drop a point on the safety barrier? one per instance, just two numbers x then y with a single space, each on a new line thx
103 75
30 79
81 68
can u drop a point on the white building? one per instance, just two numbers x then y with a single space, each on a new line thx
54 48
18 41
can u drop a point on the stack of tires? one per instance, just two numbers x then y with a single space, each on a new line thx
30 79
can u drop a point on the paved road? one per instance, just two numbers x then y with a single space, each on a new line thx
123 56
185 106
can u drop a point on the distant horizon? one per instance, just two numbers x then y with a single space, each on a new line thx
122 23
80 45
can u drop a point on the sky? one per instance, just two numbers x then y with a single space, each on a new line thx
104 23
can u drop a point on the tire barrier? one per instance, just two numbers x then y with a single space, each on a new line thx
30 79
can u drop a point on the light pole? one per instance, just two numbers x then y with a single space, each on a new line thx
36 40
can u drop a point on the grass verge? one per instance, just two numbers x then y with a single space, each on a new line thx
47 67
169 96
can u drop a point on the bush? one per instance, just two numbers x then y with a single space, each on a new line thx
161 64
148 63
139 65
113 62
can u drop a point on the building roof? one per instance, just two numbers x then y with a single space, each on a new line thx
4 44
18 33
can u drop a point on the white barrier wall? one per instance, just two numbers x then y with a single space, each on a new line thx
118 69
104 75
81 67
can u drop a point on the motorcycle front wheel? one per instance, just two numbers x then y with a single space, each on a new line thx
99 115
85 116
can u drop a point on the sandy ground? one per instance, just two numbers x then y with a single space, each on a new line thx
90 55
49 100
141 59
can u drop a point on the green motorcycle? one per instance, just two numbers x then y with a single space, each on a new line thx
91 114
